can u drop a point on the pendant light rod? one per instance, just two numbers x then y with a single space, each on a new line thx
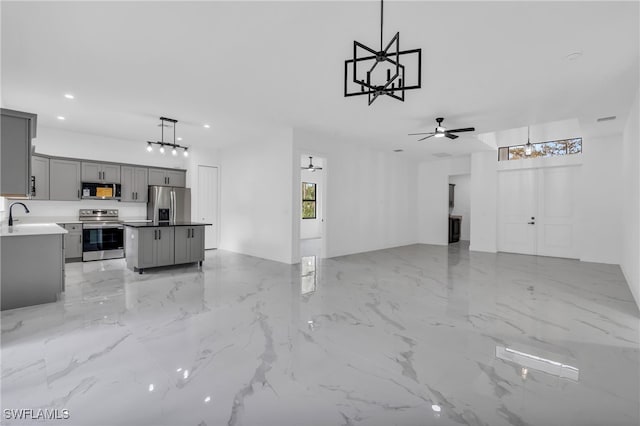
381 21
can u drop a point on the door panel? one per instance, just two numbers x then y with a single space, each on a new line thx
547 198
517 194
140 179
157 177
147 247
64 182
40 175
176 178
182 244
557 205
111 173
165 245
197 244
91 172
127 181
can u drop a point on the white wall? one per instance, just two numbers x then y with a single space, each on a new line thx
80 145
484 201
630 262
371 196
312 228
256 198
433 195
462 203
600 200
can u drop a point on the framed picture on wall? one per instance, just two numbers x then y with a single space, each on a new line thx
308 200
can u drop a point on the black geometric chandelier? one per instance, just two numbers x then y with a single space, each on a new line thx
173 145
380 72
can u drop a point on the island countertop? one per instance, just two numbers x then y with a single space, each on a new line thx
31 229
163 224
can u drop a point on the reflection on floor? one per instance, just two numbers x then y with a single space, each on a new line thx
415 335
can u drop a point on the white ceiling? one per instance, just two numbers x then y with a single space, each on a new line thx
244 67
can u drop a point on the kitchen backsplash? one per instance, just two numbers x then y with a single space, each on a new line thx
69 209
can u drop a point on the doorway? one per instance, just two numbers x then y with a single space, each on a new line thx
537 211
208 204
313 196
460 208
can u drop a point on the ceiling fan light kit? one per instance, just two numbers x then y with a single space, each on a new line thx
380 72
441 131
173 145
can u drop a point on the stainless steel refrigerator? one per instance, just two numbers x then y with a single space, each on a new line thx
169 204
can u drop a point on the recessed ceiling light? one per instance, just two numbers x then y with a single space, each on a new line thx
206 126
60 117
573 56
69 96
179 139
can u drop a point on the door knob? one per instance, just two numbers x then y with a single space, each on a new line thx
531 223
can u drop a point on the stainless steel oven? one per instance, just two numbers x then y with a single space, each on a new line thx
102 235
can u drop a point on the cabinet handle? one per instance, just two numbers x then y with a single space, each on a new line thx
155 234
159 234
78 193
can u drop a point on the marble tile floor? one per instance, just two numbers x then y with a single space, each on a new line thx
414 335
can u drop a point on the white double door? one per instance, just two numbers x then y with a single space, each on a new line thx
537 211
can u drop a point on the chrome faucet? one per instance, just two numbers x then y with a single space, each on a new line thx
11 213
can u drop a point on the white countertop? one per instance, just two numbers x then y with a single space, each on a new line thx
25 229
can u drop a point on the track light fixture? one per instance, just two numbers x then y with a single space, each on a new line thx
374 72
174 146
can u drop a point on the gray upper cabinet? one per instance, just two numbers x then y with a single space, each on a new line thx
167 177
39 177
64 180
100 172
18 128
134 183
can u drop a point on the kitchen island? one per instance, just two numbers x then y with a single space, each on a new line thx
32 264
154 244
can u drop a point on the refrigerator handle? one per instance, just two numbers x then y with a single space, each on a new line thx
173 207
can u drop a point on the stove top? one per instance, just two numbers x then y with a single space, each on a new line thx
98 215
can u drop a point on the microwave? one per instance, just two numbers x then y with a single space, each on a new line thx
101 191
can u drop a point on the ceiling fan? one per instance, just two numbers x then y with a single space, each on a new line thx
311 167
442 131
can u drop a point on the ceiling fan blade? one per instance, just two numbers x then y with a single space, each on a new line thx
426 137
426 133
450 136
466 129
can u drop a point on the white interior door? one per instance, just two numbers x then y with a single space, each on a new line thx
517 194
208 203
555 222
536 211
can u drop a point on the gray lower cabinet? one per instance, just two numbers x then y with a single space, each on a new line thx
64 180
149 247
167 177
189 245
72 242
39 177
32 270
134 184
16 131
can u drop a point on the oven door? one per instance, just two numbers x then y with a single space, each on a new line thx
100 241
